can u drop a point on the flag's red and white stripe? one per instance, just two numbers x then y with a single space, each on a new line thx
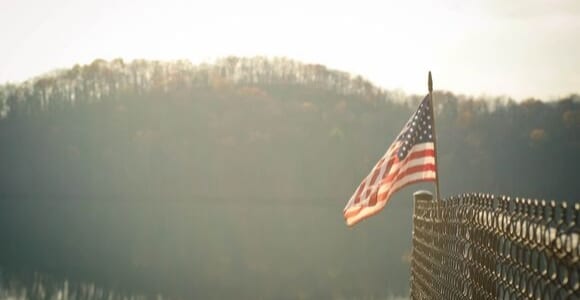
388 176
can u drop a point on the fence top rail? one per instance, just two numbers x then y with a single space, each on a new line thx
554 208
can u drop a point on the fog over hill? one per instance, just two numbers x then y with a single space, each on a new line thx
228 180
304 129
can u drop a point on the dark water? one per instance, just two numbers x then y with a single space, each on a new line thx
207 249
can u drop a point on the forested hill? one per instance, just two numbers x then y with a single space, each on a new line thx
227 181
262 129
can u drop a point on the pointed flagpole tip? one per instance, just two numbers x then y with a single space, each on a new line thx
430 83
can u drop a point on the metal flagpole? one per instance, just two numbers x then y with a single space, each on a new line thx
430 83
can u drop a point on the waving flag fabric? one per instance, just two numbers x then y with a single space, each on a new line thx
410 159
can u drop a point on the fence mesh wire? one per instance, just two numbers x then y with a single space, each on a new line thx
479 246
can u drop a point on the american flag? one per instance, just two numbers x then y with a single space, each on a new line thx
410 159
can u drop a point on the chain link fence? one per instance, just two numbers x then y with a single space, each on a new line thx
480 246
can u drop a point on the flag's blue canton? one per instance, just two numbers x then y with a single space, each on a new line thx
419 129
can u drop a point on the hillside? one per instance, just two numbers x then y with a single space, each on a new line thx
304 129
233 175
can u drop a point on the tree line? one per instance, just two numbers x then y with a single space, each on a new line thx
302 128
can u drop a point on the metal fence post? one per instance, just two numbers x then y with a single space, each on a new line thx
423 195
418 196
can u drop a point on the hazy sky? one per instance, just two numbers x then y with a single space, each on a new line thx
520 48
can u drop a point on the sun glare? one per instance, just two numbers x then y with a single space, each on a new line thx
472 47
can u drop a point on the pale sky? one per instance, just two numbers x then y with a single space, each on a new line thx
517 48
